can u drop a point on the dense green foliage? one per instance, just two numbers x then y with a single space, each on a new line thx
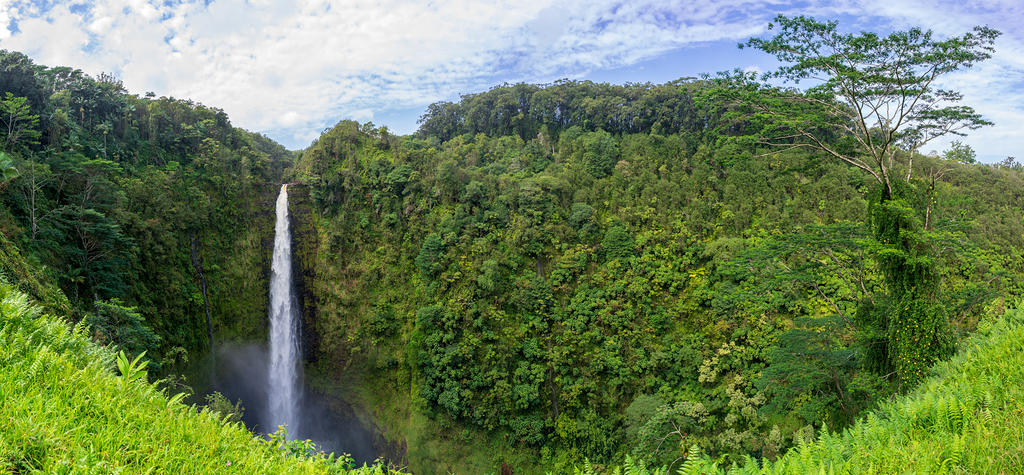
527 110
578 294
586 270
65 411
114 324
875 106
962 419
131 204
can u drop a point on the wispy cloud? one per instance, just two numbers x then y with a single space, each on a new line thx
291 68
995 88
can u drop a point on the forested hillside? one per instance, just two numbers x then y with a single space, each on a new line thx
573 293
142 209
132 225
962 419
542 277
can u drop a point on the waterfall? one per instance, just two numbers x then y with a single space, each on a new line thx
285 369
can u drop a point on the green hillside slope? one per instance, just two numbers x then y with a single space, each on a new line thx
548 300
964 419
65 411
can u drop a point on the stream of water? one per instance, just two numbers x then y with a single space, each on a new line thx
284 372
268 378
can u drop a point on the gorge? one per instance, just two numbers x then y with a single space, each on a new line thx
267 378
541 278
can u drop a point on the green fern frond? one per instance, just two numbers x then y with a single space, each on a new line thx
691 466
941 418
629 467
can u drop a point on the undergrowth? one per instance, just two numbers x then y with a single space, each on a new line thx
65 409
965 418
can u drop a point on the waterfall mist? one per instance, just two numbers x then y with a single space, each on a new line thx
241 374
268 378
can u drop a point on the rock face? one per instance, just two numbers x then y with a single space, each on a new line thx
331 385
305 245
236 261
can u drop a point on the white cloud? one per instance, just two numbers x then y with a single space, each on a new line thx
101 25
292 68
995 88
5 19
363 115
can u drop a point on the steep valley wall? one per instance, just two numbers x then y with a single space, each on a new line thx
305 246
237 261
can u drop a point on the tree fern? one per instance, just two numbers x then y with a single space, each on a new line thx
587 469
986 408
958 417
952 415
174 400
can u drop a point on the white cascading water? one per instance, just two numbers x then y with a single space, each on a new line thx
284 370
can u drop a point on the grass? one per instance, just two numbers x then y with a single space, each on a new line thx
965 418
64 409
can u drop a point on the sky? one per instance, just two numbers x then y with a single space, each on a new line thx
290 69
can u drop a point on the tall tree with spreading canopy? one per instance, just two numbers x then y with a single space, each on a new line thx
875 101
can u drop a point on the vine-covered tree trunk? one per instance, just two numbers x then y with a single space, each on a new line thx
916 325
